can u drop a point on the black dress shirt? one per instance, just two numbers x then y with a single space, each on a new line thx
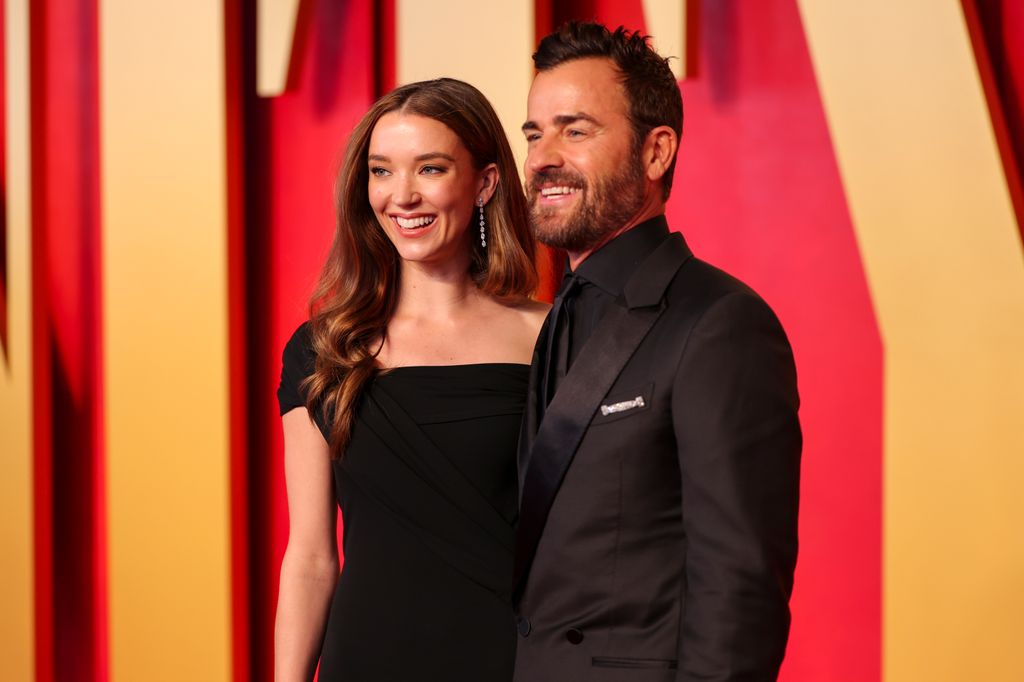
596 285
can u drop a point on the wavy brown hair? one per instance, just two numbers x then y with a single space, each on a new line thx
356 294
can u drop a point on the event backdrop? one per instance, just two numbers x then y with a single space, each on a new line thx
167 171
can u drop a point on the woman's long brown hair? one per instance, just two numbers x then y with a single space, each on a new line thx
357 291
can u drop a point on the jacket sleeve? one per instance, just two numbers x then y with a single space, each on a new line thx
734 411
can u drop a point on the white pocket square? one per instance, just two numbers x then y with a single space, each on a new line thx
622 406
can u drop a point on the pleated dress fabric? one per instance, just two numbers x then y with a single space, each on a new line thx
427 490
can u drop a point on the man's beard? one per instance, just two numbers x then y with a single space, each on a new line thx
604 207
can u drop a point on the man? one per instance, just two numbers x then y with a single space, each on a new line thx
659 460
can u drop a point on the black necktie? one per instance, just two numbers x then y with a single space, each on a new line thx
557 357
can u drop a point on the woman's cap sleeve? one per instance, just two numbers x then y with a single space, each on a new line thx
297 362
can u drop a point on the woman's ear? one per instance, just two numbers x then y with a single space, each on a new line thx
488 182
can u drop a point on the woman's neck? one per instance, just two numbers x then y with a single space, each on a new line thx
434 293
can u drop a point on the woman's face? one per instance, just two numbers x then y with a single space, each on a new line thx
423 188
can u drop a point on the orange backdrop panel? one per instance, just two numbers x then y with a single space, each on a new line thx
165 330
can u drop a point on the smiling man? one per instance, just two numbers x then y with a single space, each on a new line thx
660 454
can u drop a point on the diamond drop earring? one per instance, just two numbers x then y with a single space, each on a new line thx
483 226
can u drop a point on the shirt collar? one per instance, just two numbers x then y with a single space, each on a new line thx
611 266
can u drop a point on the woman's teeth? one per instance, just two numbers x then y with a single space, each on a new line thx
413 223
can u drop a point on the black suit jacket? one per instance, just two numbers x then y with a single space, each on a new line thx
658 521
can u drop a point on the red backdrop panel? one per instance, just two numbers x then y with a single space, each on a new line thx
70 568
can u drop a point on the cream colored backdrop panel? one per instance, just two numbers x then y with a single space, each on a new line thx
17 577
666 23
275 26
162 107
487 44
943 255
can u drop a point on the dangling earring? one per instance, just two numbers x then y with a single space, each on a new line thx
483 228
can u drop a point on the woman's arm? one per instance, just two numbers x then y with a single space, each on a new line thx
309 569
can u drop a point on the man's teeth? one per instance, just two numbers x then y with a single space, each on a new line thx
555 191
412 223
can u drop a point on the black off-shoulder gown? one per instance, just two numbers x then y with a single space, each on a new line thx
427 490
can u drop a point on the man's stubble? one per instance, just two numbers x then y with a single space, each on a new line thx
605 207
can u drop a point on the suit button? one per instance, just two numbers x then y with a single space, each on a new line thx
574 635
524 627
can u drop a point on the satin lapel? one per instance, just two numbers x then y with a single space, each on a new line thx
566 418
599 364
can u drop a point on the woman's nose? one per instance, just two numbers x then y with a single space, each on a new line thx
406 192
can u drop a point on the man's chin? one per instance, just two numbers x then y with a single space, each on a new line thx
545 225
549 231
553 228
561 239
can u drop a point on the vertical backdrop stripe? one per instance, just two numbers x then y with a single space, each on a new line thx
165 329
238 78
17 588
68 445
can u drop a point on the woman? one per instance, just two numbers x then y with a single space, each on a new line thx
401 398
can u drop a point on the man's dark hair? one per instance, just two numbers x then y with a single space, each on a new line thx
651 88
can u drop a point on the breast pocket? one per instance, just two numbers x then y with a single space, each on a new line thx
622 404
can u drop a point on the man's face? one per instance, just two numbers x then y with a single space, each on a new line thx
584 178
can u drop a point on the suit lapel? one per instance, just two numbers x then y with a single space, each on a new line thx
549 453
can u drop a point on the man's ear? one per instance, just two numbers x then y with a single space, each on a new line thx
659 151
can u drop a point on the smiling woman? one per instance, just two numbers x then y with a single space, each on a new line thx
401 401
360 290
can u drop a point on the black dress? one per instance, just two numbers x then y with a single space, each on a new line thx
427 489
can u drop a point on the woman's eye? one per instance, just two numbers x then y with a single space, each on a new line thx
377 171
432 170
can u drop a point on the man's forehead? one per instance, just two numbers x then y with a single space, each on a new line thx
590 86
